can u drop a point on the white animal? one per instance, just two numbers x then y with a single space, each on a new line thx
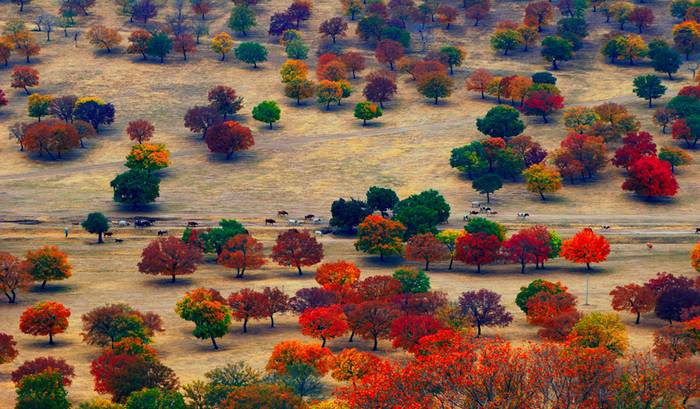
123 223
293 222
318 220
523 215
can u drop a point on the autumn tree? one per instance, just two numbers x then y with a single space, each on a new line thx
103 37
324 323
674 156
478 11
505 40
299 88
42 390
200 118
111 323
635 146
377 235
169 256
48 264
138 42
686 37
380 87
599 329
276 301
580 155
8 350
435 85
671 303
407 330
95 111
45 318
484 308
479 81
297 248
221 43
96 223
38 105
367 111
477 249
140 130
337 274
673 342
426 248
242 252
13 276
329 92
352 365
372 319
538 14
354 61
634 298
651 177
25 78
247 304
333 27
229 137
542 178
586 247
209 312
542 103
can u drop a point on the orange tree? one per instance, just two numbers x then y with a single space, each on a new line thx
297 248
12 276
426 247
48 264
377 235
45 318
324 323
8 350
634 298
209 312
241 252
352 365
169 256
695 257
339 273
148 156
586 247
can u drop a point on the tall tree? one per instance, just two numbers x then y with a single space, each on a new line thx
169 256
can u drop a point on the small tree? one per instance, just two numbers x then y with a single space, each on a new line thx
242 19
633 298
25 78
242 252
299 88
136 187
427 248
267 112
159 45
380 87
674 156
324 323
501 122
555 48
229 137
276 302
297 248
333 27
586 247
169 256
111 323
487 184
648 87
479 81
435 85
542 103
42 390
96 223
209 312
13 276
48 264
484 308
225 100
247 304
8 352
140 130
600 330
221 43
367 111
38 105
251 53
505 40
45 318
542 178
377 235
103 37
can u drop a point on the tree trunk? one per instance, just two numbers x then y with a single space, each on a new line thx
99 238
451 260
352 335
173 279
213 342
50 338
323 343
43 284
245 325
299 268
488 197
478 329
522 267
542 195
478 268
426 265
588 266
272 321
374 347
639 315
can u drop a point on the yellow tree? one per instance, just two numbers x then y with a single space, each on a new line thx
222 43
542 178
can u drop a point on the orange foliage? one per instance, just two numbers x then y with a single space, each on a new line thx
45 318
586 247
340 273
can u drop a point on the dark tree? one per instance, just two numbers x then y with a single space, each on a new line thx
333 27
347 214
673 301
135 187
484 308
381 199
200 118
225 100
96 223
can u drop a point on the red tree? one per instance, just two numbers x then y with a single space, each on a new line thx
8 350
297 248
25 78
477 249
539 14
380 87
635 146
333 27
242 252
169 256
41 364
685 379
478 11
388 52
324 323
45 318
140 130
225 100
246 304
354 61
13 276
586 247
229 137
3 98
372 320
378 288
407 330
200 119
426 248
51 137
651 177
527 246
542 103
642 17
681 130
339 273
276 301
634 298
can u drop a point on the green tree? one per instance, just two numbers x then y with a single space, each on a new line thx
412 281
535 287
208 311
452 56
648 87
155 398
213 240
135 187
242 19
347 214
366 111
159 45
555 48
469 159
251 53
381 199
96 223
435 85
505 40
38 105
267 112
483 225
296 50
487 184
43 390
664 58
421 213
501 121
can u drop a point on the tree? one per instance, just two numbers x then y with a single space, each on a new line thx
371 26
687 129
42 390
542 178
280 22
535 287
26 45
96 223
44 364
313 297
435 85
483 225
297 248
169 256
324 323
135 187
586 247
275 301
242 252
338 274
542 103
674 156
484 308
300 10
641 17
347 214
293 70
352 365
225 100
526 246
634 298
367 111
13 276
377 235
673 343
354 61
139 40
140 130
505 40
664 58
333 27
648 87
45 318
501 122
48 264
479 80
651 177
201 118
635 146
213 240
555 48
478 11
184 43
221 43
25 78
251 53
487 184
372 320
426 247
155 398
103 37
267 112
109 324
8 352
329 92
263 395
407 330
6 48
477 249
38 105
599 329
686 37
381 199
538 14
242 19
229 137
209 312
246 304
95 111
299 88
388 52
412 281
159 45
148 156
144 10
380 87
421 213
671 303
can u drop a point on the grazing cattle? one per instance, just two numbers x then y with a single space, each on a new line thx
492 213
118 240
605 226
476 205
143 223
318 232
485 209
523 216
192 224
109 234
293 222
123 223
162 232
697 230
317 220
309 217
650 246
465 217
269 221
474 212
282 213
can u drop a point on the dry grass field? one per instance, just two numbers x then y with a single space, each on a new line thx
311 158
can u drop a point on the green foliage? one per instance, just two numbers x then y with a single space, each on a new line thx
574 30
483 225
487 184
296 50
501 121
155 398
303 380
469 159
381 199
412 281
505 40
242 19
452 55
99 403
397 34
555 48
367 110
347 214
44 390
267 112
214 239
664 58
648 87
684 106
96 223
544 77
251 53
135 187
159 45
421 213
554 244
535 287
